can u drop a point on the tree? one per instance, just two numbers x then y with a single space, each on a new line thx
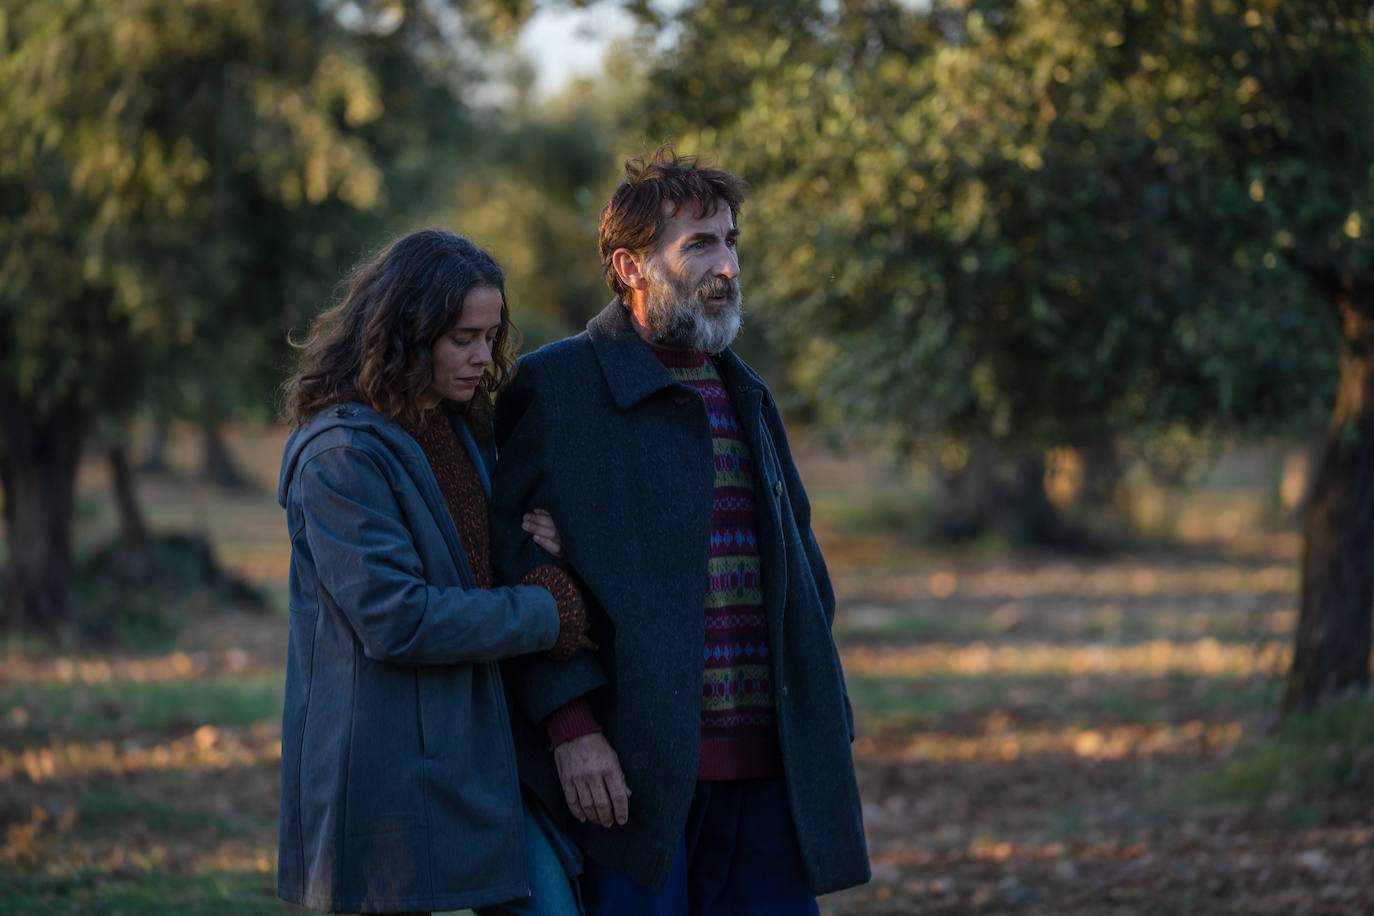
143 149
267 261
530 193
1037 223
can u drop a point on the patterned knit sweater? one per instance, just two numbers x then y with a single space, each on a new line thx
738 725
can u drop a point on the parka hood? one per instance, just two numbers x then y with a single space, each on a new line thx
360 417
341 416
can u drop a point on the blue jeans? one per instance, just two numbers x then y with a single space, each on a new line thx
552 891
738 857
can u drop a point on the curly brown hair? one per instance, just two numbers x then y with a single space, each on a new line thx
376 346
635 215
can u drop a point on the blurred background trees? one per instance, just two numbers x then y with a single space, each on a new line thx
1023 226
978 231
181 183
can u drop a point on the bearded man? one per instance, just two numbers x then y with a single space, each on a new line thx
701 756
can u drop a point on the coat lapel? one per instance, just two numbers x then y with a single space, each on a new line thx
631 370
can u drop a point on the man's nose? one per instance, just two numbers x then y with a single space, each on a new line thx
729 264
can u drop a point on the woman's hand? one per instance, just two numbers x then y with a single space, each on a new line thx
540 525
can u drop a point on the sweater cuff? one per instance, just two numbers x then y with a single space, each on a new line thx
572 609
571 720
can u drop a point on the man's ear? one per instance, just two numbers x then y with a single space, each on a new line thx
628 266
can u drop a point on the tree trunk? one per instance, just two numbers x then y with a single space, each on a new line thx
155 458
42 449
1331 652
968 493
1102 471
132 529
1026 514
6 488
218 465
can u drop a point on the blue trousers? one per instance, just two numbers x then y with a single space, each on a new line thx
738 857
552 892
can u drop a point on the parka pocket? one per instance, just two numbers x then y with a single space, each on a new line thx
428 722
443 697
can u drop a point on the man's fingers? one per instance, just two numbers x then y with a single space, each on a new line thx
602 800
585 806
620 797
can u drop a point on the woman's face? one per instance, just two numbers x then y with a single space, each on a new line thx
463 353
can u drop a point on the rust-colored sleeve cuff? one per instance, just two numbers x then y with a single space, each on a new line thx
571 720
572 609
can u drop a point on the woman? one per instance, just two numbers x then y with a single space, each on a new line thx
399 787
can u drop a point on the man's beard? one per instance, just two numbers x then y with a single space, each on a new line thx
678 314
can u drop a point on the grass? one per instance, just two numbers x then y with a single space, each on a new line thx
889 702
213 894
107 807
1331 748
932 620
151 706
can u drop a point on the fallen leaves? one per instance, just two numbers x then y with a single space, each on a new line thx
1201 657
206 748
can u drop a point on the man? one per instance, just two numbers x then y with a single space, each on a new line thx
704 749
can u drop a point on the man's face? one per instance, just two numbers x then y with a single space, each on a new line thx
693 298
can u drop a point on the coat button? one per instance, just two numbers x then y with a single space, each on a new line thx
341 411
777 488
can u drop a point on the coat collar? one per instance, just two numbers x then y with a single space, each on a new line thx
631 370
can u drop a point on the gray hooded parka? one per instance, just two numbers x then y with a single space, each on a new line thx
399 787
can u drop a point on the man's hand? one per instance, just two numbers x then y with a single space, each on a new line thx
593 783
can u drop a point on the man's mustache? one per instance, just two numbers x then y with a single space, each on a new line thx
719 286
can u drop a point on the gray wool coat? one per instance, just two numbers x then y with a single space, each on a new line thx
596 429
398 773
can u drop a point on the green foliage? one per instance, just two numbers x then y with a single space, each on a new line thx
1311 754
144 145
531 191
1035 221
181 183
